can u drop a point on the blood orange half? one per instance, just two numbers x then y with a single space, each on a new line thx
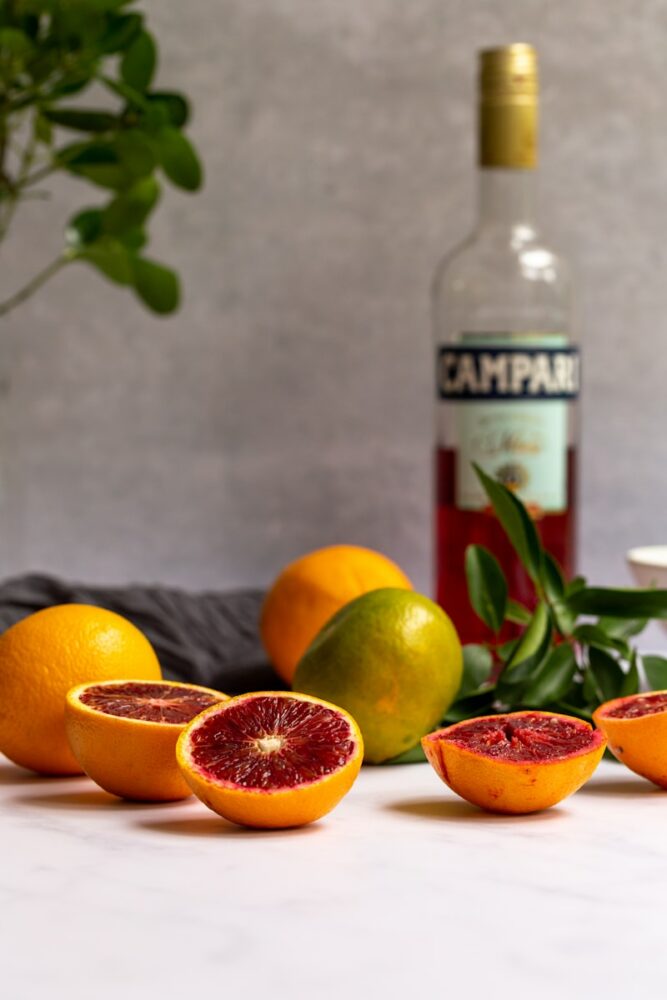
636 728
124 733
271 758
516 763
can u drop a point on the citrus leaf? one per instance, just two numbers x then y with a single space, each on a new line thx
134 238
111 258
619 603
553 679
134 98
525 659
506 650
563 617
175 107
593 635
42 129
97 162
517 613
80 120
156 285
607 673
139 60
120 32
487 587
655 668
575 584
631 682
15 47
131 208
84 228
517 524
623 628
554 584
534 641
178 159
135 152
477 665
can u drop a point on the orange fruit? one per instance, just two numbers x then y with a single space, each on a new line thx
392 659
124 734
636 728
271 758
516 763
309 591
42 657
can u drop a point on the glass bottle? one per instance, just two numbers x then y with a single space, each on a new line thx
507 371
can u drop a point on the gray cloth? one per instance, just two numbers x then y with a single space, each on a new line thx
206 638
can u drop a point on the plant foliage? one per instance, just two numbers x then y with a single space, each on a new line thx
573 650
77 97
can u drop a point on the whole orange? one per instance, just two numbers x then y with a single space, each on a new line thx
42 657
312 589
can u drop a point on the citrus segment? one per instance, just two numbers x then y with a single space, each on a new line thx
124 734
523 738
636 728
521 762
311 589
166 702
42 657
271 759
392 659
635 706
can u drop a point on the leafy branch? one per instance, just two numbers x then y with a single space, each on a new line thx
573 648
51 55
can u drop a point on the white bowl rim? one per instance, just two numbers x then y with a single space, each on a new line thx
653 556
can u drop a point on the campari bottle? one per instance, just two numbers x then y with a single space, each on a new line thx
507 371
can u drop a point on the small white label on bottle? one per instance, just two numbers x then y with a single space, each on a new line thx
512 398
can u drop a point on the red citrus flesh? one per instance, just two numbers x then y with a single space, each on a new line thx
269 743
148 702
637 706
526 737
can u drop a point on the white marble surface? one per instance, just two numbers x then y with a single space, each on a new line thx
403 889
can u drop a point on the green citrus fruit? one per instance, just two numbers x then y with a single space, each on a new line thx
393 660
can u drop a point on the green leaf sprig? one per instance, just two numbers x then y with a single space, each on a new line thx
573 651
55 57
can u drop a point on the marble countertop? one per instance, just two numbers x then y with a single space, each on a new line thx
403 889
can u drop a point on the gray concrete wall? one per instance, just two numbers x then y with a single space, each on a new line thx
289 404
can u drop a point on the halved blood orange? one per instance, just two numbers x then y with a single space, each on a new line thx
271 758
516 763
124 733
636 728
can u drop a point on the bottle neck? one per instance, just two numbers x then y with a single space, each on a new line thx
507 198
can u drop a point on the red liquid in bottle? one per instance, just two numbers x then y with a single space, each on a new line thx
456 529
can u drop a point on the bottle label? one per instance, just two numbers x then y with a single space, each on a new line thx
512 397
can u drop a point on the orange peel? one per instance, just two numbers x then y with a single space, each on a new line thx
521 762
271 759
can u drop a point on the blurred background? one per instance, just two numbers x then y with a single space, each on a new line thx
289 404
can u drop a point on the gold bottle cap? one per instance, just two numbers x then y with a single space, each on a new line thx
508 96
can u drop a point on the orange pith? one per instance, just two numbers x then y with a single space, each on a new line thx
126 754
636 730
275 763
518 777
42 657
309 591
